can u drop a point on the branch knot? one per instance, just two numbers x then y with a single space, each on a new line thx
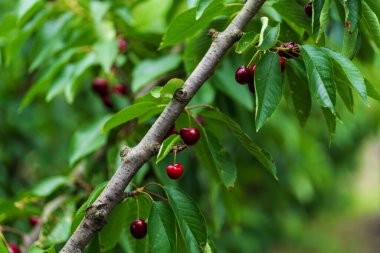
124 152
181 96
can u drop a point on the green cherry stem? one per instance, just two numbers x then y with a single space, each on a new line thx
253 58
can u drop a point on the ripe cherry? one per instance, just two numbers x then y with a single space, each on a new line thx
107 101
122 44
174 171
308 9
100 86
13 248
120 89
33 220
251 87
282 63
190 136
171 131
242 75
139 228
252 72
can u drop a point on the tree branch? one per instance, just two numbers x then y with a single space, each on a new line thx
133 158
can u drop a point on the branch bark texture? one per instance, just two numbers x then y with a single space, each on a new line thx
133 158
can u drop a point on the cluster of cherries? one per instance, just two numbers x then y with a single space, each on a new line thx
14 248
101 87
246 75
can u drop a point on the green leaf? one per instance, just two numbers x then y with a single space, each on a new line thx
353 9
320 15
349 46
191 222
374 5
299 89
166 146
268 86
201 6
58 84
127 114
351 72
270 37
371 22
36 249
109 236
319 72
261 155
162 228
293 13
247 42
148 70
371 91
171 86
87 140
343 88
330 121
27 8
185 25
264 21
48 186
57 227
3 247
106 52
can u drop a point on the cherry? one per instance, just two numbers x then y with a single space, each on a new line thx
107 101
251 87
120 89
282 63
100 86
13 248
171 131
174 171
190 136
308 9
33 220
252 72
122 44
289 50
139 228
242 75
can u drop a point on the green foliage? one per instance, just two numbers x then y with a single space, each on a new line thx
58 140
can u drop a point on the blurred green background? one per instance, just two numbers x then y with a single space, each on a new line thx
327 198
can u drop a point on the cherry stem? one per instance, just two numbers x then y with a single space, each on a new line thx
146 194
253 58
188 116
152 183
156 195
175 155
199 106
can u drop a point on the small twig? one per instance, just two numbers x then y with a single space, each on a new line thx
11 230
199 106
156 195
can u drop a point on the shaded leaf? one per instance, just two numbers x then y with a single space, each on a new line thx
247 42
270 37
371 91
371 23
320 15
48 186
166 146
353 9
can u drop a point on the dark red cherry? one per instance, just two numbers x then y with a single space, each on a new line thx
282 64
120 89
252 72
33 220
308 9
190 136
289 50
100 86
13 248
107 101
174 171
139 228
171 131
122 44
242 75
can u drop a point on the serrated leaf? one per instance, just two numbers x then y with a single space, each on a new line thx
162 228
201 6
127 114
270 37
166 146
48 186
268 86
191 222
299 90
148 70
371 22
351 72
185 25
262 156
353 9
87 140
330 122
110 234
106 52
247 41
343 88
319 72
320 15
371 91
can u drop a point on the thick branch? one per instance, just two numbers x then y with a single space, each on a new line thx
133 158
